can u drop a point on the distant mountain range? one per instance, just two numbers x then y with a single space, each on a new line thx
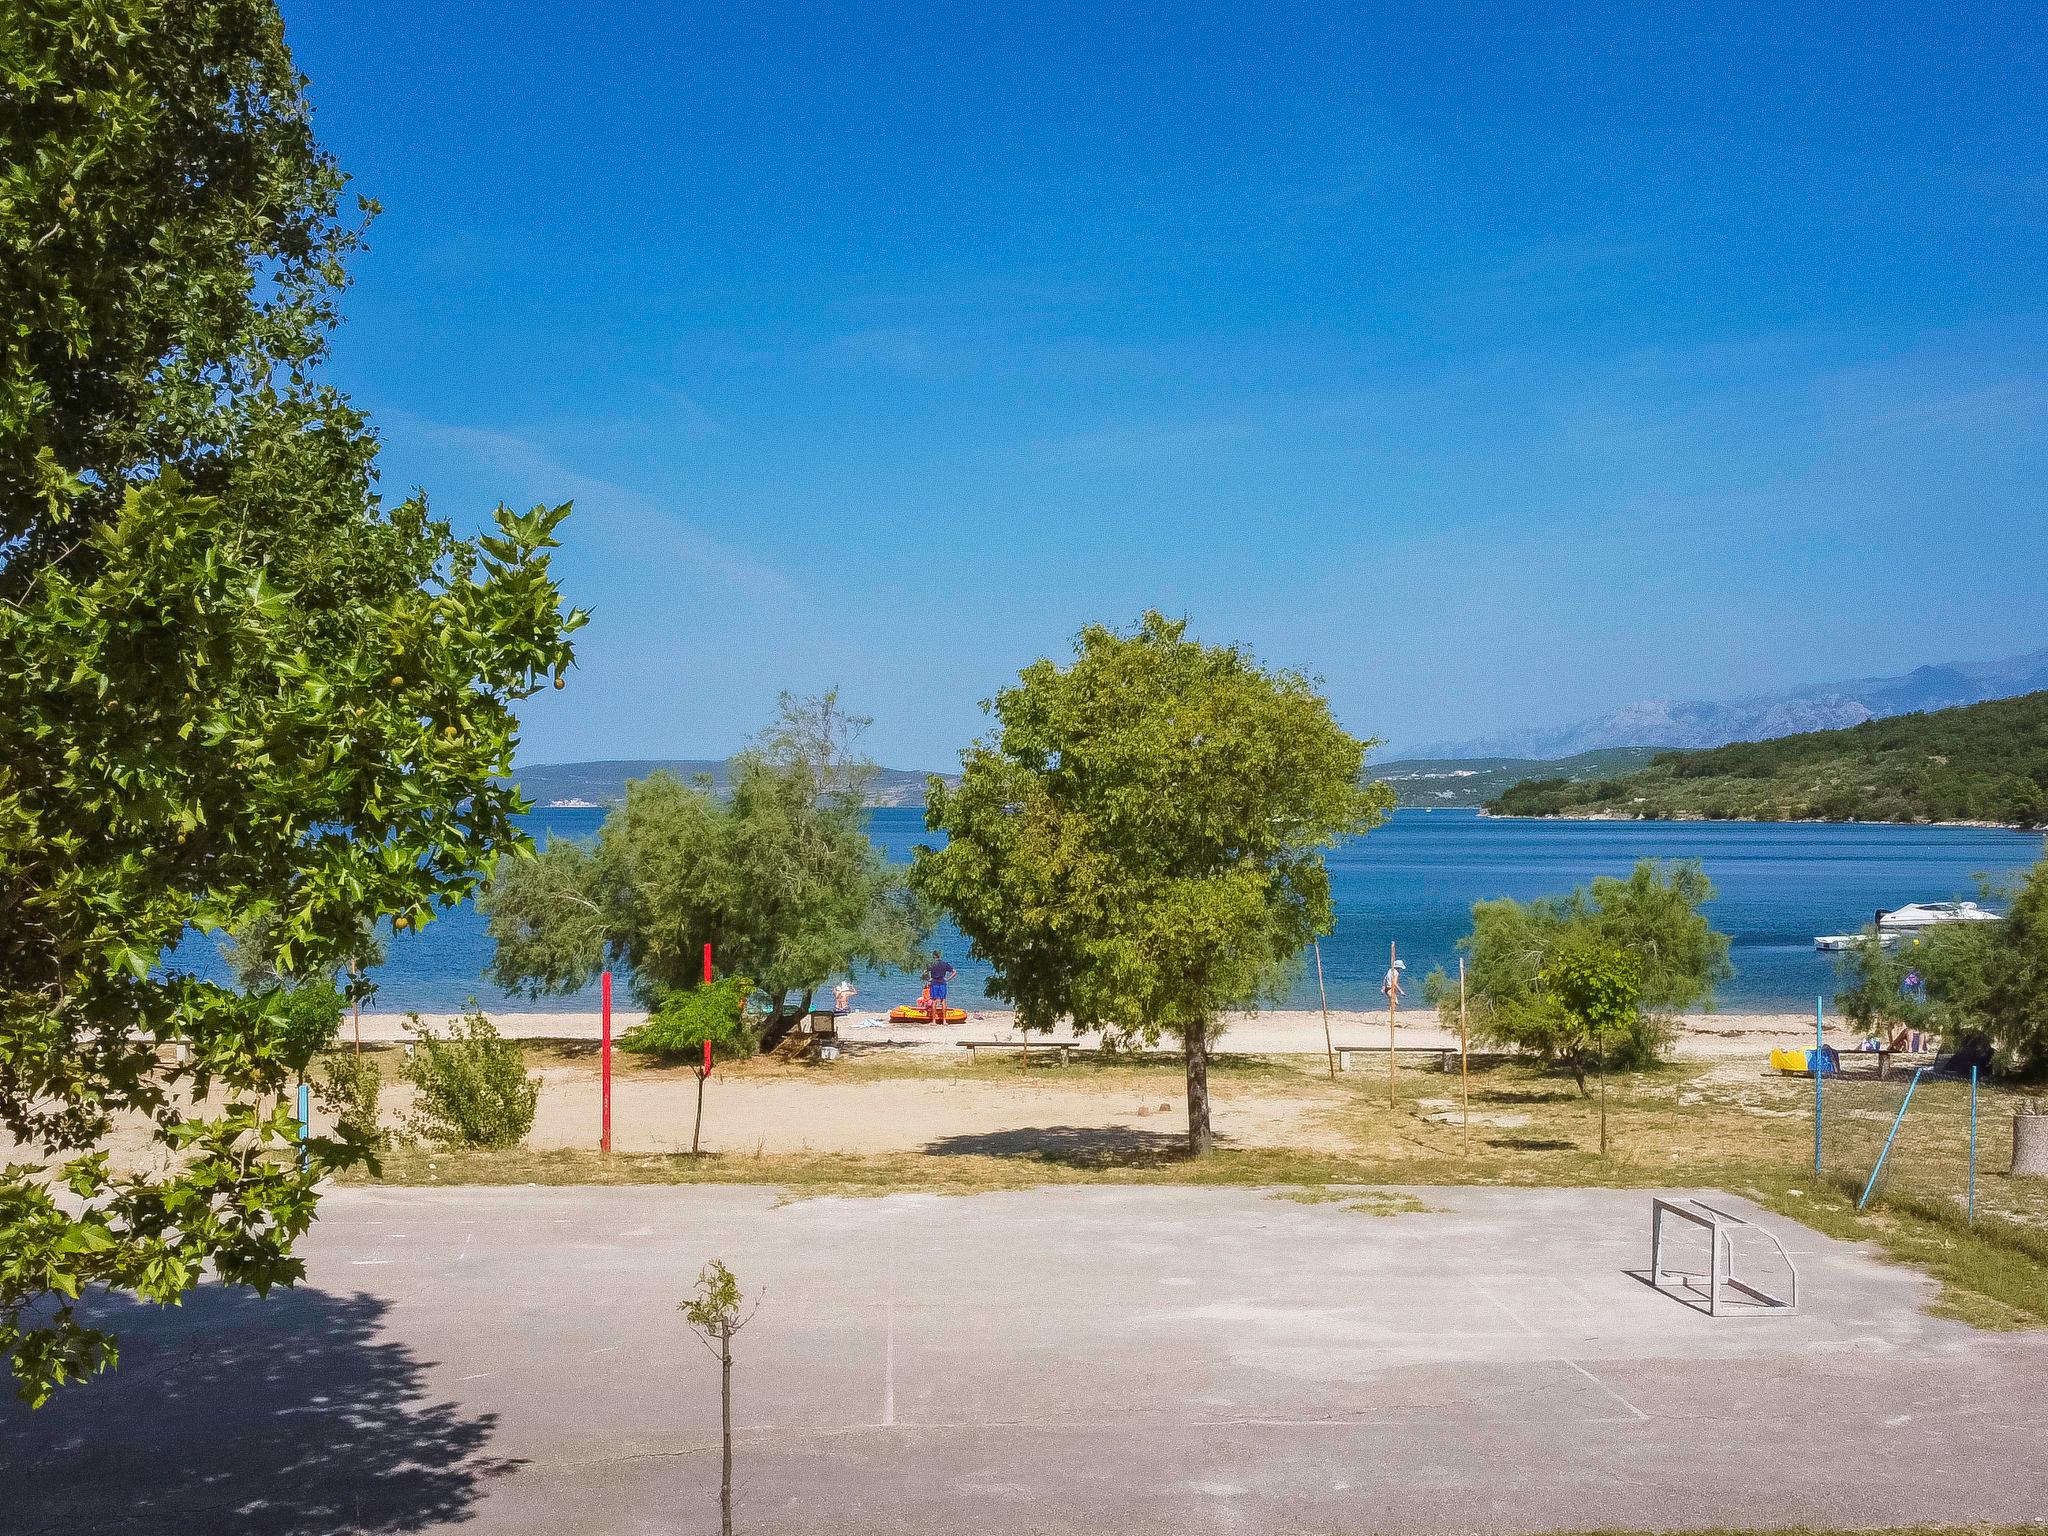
1760 717
604 783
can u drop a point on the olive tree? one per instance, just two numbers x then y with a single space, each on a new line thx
1137 845
779 876
238 692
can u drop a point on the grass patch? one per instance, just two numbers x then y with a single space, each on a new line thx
1367 1202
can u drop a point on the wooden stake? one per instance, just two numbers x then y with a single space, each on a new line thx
1328 1049
1464 1060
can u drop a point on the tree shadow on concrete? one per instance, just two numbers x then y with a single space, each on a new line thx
236 1416
1070 1146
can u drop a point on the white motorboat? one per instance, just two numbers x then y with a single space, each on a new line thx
1919 915
1914 918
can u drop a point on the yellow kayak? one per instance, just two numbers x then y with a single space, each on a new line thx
910 1015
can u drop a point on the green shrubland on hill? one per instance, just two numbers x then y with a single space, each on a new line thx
1982 762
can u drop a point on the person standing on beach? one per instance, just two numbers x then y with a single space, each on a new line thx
843 996
936 975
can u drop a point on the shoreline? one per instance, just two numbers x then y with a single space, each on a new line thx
1748 821
1275 1032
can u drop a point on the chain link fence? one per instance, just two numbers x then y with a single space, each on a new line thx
1910 1137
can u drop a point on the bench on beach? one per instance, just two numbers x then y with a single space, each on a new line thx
1063 1048
1447 1055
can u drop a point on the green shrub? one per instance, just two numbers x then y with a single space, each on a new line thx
347 1088
684 1019
472 1086
310 1015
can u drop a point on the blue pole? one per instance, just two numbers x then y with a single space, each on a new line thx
1818 1061
1904 1105
305 1123
1973 1144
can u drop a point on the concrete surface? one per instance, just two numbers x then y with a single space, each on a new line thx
1081 1359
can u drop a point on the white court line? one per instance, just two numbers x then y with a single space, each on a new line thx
1534 1332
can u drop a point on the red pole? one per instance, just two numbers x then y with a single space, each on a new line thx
604 1142
707 965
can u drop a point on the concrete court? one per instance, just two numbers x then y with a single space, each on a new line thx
1078 1359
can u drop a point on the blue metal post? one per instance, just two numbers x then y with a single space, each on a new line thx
1904 1105
305 1123
1819 1061
1973 1144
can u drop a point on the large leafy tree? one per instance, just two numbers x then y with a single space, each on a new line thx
1137 845
238 692
779 876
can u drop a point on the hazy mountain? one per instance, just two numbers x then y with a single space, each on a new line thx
1828 706
604 783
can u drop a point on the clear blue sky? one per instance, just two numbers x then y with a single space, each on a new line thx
1497 373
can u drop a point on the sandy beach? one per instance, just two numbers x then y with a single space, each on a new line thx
1283 1032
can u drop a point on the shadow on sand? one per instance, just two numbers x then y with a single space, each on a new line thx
1071 1146
237 1416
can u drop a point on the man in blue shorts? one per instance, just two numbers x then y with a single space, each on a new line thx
936 975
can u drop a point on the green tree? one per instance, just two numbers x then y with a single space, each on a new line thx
1137 845
1597 987
236 690
715 1313
779 877
1985 980
1653 916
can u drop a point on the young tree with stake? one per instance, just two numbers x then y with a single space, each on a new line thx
714 1315
1597 988
1137 845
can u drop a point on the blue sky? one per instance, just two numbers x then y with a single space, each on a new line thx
1496 373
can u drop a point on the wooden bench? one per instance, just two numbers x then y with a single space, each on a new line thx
1446 1055
1063 1048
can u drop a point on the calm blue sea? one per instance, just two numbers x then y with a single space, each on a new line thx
1414 880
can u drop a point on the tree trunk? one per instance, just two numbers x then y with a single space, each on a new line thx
697 1130
725 1418
1197 1041
804 1010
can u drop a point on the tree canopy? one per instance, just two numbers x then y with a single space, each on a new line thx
238 692
779 877
1515 951
1137 845
1988 980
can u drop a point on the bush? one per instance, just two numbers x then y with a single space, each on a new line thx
684 1019
310 1015
472 1086
348 1088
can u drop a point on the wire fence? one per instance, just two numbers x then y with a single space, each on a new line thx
1912 1137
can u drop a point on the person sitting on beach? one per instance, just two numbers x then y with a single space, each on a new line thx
936 975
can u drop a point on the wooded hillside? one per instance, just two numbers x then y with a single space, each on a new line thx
1982 762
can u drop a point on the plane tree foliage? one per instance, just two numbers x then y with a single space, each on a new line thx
1137 844
238 691
1514 953
778 875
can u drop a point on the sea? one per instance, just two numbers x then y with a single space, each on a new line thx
1411 884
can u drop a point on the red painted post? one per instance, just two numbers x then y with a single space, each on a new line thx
604 1141
707 1058
707 965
